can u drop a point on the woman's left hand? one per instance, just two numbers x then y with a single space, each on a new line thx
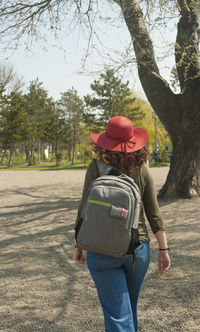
163 261
78 256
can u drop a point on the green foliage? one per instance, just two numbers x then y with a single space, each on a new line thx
59 157
19 157
55 130
71 109
87 154
14 125
38 107
111 97
34 118
71 106
35 159
148 123
164 156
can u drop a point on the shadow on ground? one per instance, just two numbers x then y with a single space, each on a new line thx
42 289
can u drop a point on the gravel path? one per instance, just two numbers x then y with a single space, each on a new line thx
42 289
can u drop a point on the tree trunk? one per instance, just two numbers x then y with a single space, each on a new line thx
29 154
26 151
183 180
52 151
3 156
29 158
56 154
39 152
69 151
11 156
74 144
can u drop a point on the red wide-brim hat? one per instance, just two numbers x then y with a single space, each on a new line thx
121 135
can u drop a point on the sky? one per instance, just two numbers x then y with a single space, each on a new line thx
57 73
59 70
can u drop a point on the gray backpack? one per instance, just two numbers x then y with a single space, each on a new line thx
110 214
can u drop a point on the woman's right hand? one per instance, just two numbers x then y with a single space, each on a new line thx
78 256
163 262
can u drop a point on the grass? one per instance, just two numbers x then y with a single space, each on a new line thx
159 164
64 165
45 166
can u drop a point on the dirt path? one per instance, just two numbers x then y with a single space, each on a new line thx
42 289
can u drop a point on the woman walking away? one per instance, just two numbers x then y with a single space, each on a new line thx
123 147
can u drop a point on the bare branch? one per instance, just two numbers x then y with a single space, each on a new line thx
19 7
9 80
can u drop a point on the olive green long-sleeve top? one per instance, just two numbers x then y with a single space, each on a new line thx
149 205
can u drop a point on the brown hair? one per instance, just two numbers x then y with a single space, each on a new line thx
119 161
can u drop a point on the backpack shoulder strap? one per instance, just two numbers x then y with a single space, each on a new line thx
103 168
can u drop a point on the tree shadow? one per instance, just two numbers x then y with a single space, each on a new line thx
42 289
40 284
172 301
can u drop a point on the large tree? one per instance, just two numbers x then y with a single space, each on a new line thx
180 113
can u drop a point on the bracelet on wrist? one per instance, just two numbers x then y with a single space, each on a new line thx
76 245
164 249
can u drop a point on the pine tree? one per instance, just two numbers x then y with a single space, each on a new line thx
38 107
71 106
111 97
14 124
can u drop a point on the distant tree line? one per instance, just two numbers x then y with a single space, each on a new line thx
31 121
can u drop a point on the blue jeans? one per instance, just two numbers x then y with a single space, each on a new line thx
118 286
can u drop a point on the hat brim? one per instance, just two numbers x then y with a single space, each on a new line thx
135 143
